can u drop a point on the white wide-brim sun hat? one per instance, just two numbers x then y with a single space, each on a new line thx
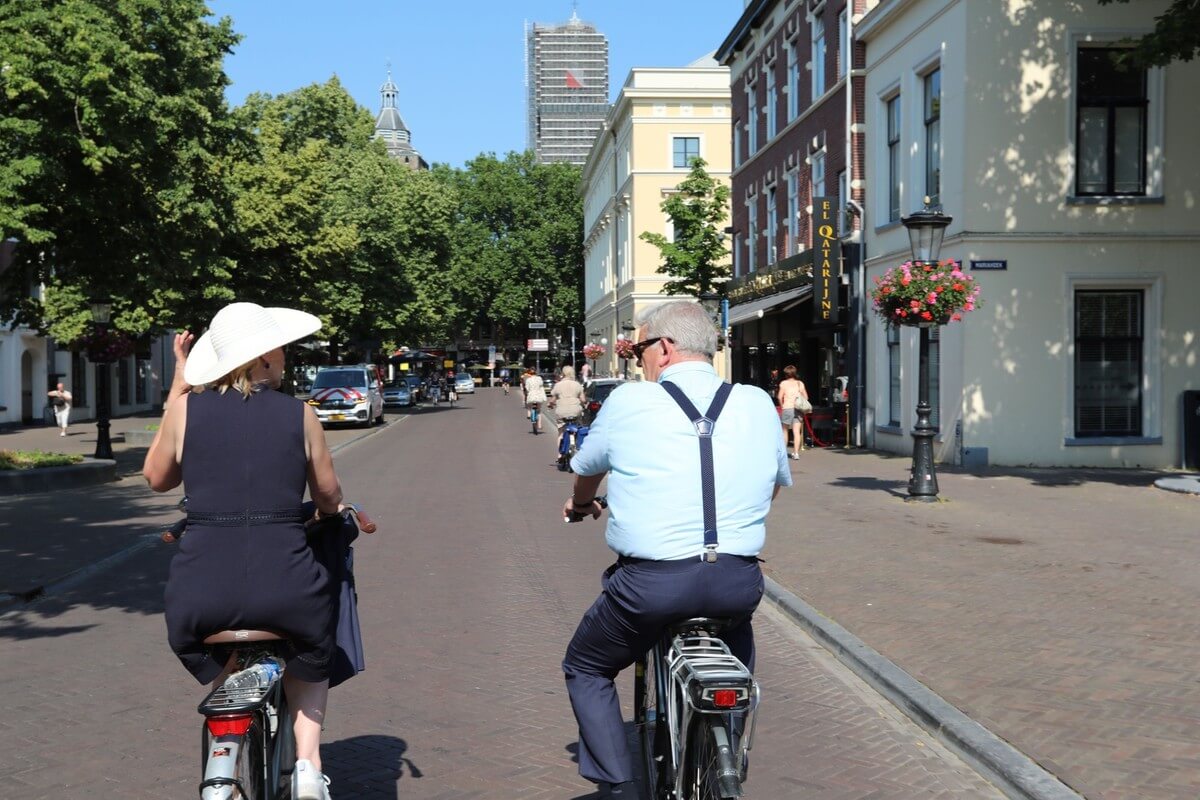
239 333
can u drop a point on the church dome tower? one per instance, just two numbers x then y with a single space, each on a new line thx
390 128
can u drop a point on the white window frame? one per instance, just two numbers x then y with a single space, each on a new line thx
772 225
1155 116
793 212
752 232
699 137
1153 400
817 173
843 44
818 54
771 103
924 143
793 80
843 194
752 122
883 193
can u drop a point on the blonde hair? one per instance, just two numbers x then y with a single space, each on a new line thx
235 379
568 372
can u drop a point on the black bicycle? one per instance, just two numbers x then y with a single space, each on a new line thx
694 710
247 746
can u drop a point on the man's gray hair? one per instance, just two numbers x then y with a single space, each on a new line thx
684 321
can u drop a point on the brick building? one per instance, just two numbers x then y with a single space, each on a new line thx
797 134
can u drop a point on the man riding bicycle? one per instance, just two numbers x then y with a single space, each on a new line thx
668 567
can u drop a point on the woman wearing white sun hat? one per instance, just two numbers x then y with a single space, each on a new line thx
245 453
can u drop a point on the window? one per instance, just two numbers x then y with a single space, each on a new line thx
843 44
793 81
1108 363
935 380
772 225
1110 139
737 143
123 381
752 236
893 154
793 214
737 255
685 149
843 197
893 351
771 101
752 123
78 380
818 57
818 173
933 136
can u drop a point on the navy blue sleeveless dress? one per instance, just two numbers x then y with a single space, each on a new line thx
244 562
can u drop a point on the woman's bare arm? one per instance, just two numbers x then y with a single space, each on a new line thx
323 483
162 468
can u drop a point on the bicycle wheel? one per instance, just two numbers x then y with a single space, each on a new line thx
252 763
533 419
708 769
282 753
658 777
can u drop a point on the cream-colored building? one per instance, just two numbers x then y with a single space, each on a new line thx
662 119
1075 193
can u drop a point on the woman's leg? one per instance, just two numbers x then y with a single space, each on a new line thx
785 438
798 431
307 701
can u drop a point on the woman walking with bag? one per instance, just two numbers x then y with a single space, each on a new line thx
793 405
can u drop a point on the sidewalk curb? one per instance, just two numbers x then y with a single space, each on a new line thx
89 472
10 602
1011 771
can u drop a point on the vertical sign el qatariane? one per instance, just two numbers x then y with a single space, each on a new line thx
827 260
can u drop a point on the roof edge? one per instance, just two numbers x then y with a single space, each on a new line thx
749 20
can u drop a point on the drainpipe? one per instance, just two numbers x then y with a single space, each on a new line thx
860 288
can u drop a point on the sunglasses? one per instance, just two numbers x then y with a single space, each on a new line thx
640 347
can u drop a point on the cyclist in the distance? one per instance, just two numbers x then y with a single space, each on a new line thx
566 398
535 395
648 446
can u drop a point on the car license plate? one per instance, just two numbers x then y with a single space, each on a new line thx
337 417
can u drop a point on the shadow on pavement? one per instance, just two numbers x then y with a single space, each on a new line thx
895 488
373 765
20 629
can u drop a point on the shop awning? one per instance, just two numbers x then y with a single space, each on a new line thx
745 312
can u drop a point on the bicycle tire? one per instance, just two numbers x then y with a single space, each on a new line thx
282 752
252 763
706 777
658 778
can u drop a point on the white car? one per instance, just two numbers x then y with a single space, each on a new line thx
347 395
464 383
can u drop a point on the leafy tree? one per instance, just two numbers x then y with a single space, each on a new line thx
112 122
518 237
695 259
1176 36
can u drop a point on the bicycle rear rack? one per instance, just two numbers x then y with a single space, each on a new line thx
228 700
701 665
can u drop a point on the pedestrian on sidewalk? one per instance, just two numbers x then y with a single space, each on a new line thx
663 494
793 401
245 562
61 399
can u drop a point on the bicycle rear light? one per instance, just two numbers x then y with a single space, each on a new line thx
725 698
229 726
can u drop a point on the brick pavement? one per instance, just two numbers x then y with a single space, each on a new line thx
469 593
1055 607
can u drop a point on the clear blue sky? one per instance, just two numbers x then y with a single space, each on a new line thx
460 65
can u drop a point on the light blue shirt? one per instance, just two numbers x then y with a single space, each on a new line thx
650 450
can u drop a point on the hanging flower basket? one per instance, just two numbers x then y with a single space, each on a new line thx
594 351
924 294
624 348
105 346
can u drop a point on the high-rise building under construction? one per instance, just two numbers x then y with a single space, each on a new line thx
567 88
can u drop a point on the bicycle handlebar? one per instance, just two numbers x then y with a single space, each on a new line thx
574 516
350 511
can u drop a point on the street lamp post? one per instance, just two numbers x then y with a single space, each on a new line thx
926 228
627 329
101 314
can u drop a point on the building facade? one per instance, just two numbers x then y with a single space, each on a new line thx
391 130
661 121
1072 186
567 89
797 135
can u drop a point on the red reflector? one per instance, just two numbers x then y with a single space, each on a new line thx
229 726
593 406
725 698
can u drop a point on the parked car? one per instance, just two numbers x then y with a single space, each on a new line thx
348 394
596 393
464 383
397 395
414 387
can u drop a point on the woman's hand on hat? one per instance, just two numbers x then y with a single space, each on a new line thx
183 346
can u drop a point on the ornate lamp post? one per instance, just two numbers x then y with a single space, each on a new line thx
101 314
926 228
625 341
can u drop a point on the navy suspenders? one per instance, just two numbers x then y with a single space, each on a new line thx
705 423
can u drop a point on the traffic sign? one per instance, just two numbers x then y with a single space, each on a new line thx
537 326
537 345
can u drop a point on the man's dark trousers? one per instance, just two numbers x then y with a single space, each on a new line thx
639 600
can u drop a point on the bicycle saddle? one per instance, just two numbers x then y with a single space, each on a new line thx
240 636
711 626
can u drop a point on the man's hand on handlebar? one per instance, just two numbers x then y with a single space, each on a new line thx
574 513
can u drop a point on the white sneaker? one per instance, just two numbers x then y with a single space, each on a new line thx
307 783
62 433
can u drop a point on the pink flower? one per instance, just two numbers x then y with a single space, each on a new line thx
914 304
969 307
931 298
